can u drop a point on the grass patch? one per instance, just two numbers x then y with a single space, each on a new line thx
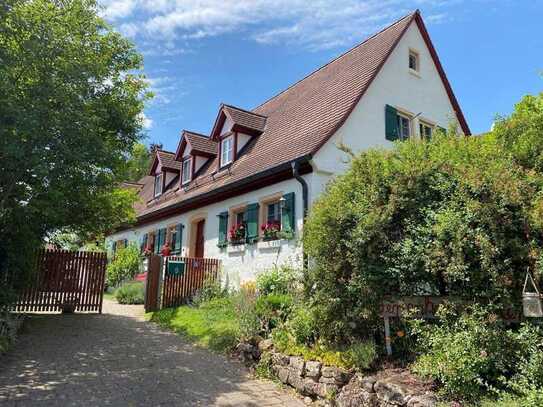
212 325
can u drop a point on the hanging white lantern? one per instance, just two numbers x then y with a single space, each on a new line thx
531 301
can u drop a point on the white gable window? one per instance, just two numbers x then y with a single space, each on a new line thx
404 127
158 185
186 171
227 150
414 63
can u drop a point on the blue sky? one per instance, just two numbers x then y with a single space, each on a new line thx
199 53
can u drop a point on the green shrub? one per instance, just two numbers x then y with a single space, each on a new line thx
470 353
277 280
211 289
124 266
130 293
301 325
249 322
272 310
359 355
458 216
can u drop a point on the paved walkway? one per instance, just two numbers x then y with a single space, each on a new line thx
117 359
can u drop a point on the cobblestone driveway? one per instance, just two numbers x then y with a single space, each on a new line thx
117 359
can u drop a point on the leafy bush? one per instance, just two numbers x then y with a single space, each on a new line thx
124 266
211 289
272 310
472 355
277 280
448 216
130 293
301 325
359 355
249 323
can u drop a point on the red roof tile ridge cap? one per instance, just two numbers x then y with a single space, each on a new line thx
408 16
195 133
244 110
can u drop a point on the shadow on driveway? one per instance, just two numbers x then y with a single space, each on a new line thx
119 360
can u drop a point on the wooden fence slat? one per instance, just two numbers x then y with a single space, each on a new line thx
178 290
61 275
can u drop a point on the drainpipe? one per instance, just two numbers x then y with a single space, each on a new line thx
305 199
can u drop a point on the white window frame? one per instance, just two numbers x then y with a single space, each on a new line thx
184 178
409 127
158 191
228 159
417 61
423 124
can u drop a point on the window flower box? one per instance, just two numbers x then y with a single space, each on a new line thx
271 231
269 244
237 233
237 247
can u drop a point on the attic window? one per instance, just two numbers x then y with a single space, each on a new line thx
227 150
186 171
158 185
414 61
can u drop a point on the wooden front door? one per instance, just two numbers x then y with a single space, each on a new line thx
200 239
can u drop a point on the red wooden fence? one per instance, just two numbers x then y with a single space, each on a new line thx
65 279
178 289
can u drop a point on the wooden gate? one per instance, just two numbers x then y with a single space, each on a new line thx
65 281
152 299
184 276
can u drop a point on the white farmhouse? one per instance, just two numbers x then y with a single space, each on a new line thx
240 193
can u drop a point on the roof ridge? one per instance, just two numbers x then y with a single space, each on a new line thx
244 110
410 15
197 134
164 151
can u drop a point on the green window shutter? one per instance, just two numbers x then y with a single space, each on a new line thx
391 123
114 247
442 129
125 243
143 242
252 222
179 230
158 241
288 213
223 228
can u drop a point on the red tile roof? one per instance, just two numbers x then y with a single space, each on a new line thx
200 143
298 121
166 159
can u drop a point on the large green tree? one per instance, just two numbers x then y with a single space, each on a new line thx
70 113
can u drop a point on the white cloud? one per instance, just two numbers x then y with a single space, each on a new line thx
311 24
146 122
437 18
117 9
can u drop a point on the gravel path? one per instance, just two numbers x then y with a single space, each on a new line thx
117 359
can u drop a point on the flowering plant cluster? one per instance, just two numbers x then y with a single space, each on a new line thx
165 250
147 251
237 232
270 230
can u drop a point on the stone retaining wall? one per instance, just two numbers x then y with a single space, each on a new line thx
341 387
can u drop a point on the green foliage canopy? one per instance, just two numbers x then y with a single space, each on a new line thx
455 216
70 112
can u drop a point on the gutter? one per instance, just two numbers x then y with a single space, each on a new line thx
305 199
176 208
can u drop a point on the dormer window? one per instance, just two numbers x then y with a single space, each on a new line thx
186 171
227 150
158 185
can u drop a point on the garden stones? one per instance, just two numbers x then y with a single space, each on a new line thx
313 369
334 375
297 365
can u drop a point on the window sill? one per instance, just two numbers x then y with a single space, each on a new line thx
269 244
414 73
235 248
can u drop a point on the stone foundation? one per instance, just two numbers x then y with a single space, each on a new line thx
339 387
